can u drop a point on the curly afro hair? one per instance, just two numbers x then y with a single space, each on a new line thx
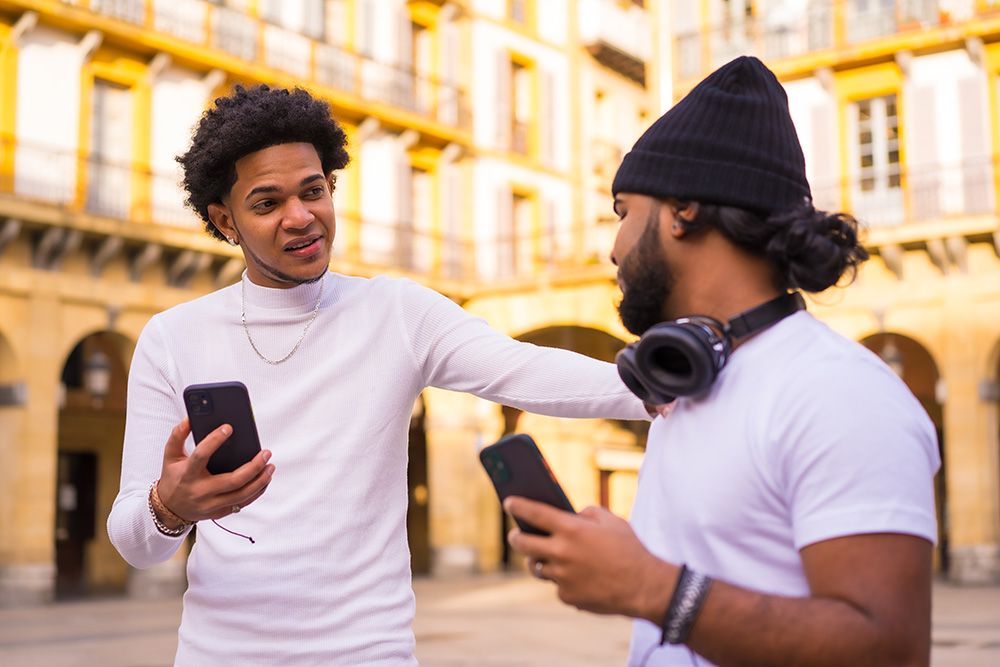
249 120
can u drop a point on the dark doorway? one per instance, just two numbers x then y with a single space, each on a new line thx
417 512
76 519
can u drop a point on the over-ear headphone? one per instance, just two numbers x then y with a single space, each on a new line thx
684 356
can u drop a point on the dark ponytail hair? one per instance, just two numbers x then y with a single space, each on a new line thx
810 250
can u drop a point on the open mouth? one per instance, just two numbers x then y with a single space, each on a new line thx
303 244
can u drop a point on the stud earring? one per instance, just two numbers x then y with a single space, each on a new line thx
232 241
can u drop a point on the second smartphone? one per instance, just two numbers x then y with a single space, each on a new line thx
517 468
211 405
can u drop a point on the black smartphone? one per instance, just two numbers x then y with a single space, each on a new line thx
517 468
211 405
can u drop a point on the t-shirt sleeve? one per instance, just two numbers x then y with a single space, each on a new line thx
455 350
856 453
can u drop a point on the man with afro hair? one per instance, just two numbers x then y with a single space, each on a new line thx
333 365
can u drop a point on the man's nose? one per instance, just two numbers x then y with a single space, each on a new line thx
297 214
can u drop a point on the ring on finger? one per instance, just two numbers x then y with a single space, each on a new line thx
538 569
236 509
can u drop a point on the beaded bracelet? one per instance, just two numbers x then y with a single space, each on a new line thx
154 502
689 595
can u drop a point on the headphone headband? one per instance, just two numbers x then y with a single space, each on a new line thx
762 316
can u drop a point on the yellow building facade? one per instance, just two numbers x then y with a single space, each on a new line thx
484 134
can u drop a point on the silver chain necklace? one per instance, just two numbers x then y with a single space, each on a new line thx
243 316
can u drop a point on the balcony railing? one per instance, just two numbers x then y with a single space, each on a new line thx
814 28
618 37
232 32
939 192
93 184
76 183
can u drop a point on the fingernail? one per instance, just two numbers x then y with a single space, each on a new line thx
267 455
227 429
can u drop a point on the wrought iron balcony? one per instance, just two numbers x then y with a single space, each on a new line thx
79 201
234 33
939 192
617 37
815 27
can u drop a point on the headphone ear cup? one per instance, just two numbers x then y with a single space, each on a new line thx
631 375
678 358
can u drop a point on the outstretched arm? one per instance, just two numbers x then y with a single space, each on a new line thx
456 351
869 605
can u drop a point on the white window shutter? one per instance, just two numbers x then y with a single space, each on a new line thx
504 111
977 167
923 166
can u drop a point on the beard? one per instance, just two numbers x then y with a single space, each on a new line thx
645 280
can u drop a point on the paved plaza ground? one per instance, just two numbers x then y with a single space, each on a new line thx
491 620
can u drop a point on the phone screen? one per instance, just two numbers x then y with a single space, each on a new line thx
517 468
211 405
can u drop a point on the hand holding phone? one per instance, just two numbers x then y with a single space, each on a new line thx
517 468
211 405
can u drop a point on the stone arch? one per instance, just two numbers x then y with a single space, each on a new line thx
90 434
595 460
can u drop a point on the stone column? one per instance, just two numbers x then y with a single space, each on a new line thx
970 440
464 511
27 550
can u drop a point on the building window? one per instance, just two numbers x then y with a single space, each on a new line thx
524 237
301 16
516 239
877 183
521 107
109 176
515 107
518 11
878 143
870 19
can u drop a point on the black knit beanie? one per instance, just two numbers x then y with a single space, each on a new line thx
730 141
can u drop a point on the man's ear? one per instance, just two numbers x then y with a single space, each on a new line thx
676 215
220 217
689 212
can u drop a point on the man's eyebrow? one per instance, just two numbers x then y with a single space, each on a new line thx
309 179
274 188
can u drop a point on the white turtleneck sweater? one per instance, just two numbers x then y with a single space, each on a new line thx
328 580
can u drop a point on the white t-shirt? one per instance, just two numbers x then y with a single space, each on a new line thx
328 580
804 436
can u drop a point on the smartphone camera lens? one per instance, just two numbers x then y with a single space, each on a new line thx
199 403
496 468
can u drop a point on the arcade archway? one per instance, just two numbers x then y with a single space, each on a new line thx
91 431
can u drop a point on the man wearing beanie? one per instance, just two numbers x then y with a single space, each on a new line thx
785 510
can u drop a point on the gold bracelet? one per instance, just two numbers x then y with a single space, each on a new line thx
154 502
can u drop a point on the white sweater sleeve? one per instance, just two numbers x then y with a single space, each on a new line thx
457 351
153 410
